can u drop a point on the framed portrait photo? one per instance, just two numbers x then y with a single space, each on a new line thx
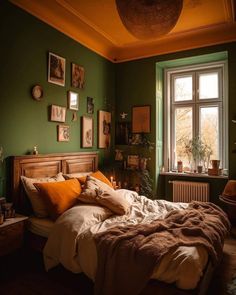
90 105
56 69
58 113
141 119
104 129
77 76
73 100
63 133
87 132
133 161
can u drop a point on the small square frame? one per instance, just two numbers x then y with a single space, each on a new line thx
73 100
58 113
133 161
63 133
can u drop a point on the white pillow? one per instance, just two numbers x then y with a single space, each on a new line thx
98 192
36 201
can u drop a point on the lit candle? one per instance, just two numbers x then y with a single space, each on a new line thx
112 180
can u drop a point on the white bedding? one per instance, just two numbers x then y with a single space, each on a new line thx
71 240
40 226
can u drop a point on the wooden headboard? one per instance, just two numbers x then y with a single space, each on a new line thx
35 166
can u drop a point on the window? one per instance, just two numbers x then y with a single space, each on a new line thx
195 109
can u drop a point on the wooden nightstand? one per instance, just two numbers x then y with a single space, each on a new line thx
12 234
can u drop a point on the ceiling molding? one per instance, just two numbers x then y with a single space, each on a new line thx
82 27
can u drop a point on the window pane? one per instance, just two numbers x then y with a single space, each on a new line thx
209 129
208 86
183 133
183 89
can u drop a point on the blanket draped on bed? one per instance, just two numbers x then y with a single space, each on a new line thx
127 255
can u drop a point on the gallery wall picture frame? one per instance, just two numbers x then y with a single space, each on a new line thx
104 129
63 133
58 113
73 100
141 119
87 132
90 105
77 76
122 133
133 161
56 69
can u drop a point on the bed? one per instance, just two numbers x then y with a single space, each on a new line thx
40 229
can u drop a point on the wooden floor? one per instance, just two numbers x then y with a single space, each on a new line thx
22 273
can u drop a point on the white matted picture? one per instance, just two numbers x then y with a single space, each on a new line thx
58 113
104 129
87 132
63 133
73 100
77 76
56 69
133 161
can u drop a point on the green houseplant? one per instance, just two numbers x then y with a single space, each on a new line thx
198 152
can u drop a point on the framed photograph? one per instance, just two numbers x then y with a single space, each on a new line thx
56 69
87 131
90 105
123 131
133 161
58 113
77 76
136 139
63 133
141 119
104 129
73 100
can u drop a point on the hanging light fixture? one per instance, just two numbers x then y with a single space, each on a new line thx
146 19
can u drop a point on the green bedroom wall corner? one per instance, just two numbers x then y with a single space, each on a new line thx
24 122
137 83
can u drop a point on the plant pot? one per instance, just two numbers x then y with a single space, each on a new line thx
199 169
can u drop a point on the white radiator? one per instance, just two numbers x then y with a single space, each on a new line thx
187 191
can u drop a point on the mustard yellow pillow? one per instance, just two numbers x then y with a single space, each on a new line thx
98 175
59 196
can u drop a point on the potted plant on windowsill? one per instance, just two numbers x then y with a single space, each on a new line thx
198 153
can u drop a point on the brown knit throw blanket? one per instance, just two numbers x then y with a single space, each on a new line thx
128 255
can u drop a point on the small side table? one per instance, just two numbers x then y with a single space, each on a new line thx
12 234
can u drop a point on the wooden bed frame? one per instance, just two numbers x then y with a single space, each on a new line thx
34 166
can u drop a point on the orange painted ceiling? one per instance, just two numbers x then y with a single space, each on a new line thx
96 24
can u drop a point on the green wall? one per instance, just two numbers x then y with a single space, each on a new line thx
25 43
136 84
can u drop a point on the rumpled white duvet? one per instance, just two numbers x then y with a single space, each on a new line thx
71 240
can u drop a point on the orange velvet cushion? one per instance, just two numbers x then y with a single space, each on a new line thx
230 190
99 175
59 196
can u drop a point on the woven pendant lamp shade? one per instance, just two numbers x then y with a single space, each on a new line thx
147 19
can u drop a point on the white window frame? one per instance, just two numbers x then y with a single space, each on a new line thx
222 102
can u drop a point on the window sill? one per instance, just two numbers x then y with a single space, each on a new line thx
197 175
